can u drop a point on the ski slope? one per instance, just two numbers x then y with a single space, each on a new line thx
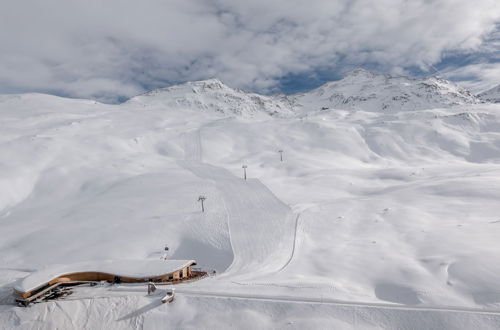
260 225
375 219
139 311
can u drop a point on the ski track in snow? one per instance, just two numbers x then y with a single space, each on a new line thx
140 289
192 146
253 212
297 218
144 312
336 302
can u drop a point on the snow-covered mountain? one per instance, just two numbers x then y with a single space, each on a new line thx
213 95
370 220
491 95
358 90
364 90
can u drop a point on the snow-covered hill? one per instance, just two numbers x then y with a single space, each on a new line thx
491 95
364 90
358 90
374 218
213 96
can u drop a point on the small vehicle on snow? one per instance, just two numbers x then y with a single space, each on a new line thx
169 297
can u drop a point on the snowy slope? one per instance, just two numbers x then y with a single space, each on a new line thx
491 95
133 310
253 213
84 170
212 95
364 90
375 219
360 90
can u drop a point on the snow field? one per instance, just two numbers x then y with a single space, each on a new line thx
397 212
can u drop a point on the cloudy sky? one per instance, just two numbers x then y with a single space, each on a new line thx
111 50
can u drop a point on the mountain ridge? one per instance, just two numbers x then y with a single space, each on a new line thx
491 95
213 95
357 90
364 90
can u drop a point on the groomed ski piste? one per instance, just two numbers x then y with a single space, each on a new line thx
252 211
373 220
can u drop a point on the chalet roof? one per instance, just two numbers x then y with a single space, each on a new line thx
122 268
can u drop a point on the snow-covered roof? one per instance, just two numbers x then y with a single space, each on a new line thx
122 268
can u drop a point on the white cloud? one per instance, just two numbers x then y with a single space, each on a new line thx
478 77
103 49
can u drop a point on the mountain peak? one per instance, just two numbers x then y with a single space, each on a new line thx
211 83
360 89
212 95
360 72
369 91
491 95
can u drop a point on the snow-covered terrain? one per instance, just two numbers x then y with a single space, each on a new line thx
213 96
382 214
491 95
365 90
